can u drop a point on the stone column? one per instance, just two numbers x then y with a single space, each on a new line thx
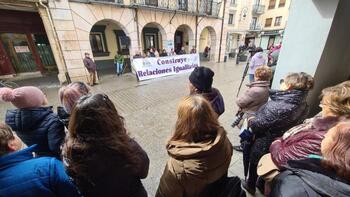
56 50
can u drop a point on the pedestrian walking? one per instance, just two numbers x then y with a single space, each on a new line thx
199 150
23 174
90 65
257 60
119 63
101 158
201 80
34 120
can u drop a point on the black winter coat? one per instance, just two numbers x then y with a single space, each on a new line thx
285 110
307 178
38 126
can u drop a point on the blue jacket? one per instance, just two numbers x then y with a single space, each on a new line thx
38 126
23 175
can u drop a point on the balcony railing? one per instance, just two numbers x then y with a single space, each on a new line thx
255 27
208 7
182 5
258 9
108 1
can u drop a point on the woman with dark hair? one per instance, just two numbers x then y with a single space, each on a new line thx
285 109
326 175
101 157
199 150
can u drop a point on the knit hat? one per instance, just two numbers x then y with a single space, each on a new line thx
202 78
23 97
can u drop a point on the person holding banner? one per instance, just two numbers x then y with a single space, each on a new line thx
172 52
201 80
119 63
193 50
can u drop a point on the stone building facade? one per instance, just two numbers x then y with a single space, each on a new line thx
105 27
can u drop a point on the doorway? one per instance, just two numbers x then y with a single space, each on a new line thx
178 41
18 49
271 41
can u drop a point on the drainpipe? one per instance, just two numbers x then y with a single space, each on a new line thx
222 29
138 30
55 37
195 38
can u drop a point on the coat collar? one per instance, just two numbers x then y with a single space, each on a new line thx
16 157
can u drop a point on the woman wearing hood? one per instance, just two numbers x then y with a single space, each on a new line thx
199 150
285 109
33 120
257 60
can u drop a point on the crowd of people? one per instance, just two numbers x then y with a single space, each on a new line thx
85 149
153 52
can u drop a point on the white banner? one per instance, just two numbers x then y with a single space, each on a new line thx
150 68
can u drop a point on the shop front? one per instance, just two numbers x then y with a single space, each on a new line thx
24 46
269 38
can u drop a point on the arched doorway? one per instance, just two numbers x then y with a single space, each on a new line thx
207 40
183 38
107 38
153 36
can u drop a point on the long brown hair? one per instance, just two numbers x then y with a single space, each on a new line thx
96 135
337 151
196 120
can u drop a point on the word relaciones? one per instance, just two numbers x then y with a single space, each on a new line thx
157 71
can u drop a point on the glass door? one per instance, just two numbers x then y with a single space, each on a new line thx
19 52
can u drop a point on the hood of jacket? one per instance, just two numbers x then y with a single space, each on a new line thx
324 182
289 96
259 84
202 157
27 119
259 55
216 100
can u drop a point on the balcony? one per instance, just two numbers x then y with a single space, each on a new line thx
255 27
209 8
121 2
171 5
258 9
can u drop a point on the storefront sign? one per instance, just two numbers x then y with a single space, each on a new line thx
150 68
22 49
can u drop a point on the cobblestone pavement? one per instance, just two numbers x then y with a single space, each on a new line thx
149 109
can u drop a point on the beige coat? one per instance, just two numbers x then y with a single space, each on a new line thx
193 166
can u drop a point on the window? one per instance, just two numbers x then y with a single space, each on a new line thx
233 2
96 41
230 19
282 3
272 4
278 21
254 22
268 22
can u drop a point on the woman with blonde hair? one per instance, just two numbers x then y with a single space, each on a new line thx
286 108
302 140
327 174
199 150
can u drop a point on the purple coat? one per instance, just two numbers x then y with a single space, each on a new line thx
89 64
257 60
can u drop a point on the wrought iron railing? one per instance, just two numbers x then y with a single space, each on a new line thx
258 9
255 27
108 1
208 7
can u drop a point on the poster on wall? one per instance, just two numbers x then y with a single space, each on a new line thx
169 45
21 49
150 68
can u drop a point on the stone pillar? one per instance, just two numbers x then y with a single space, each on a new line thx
68 39
56 50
